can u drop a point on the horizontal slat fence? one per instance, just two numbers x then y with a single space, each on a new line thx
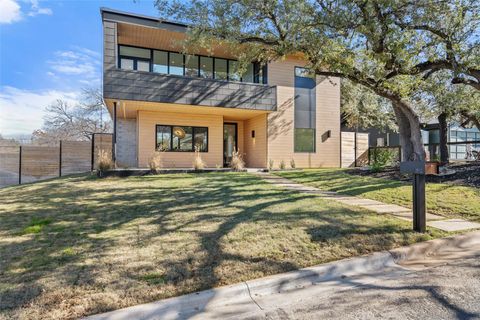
27 163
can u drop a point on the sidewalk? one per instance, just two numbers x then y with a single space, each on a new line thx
305 288
433 220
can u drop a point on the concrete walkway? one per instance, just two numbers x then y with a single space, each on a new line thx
270 297
403 213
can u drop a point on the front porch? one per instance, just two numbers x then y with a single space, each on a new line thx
142 127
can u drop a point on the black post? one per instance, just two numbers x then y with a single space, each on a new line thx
93 151
355 148
419 210
20 166
60 160
114 146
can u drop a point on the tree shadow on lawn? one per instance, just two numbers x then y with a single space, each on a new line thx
207 207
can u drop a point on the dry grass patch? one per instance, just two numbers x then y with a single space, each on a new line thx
112 243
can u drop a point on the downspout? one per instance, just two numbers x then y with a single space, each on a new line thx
114 138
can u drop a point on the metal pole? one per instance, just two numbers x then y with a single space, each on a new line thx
20 166
419 208
93 151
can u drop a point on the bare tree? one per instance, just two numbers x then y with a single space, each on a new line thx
64 121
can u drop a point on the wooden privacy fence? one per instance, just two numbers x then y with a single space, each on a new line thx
354 149
21 164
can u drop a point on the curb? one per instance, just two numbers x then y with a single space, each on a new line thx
239 299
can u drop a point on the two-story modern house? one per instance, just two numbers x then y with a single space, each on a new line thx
162 99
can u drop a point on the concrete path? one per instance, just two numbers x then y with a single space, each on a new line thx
433 220
367 287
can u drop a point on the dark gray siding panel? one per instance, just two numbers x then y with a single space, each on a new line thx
146 86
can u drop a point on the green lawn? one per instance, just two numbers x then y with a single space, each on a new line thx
76 246
443 199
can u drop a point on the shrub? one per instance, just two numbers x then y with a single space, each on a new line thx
104 162
237 162
198 163
282 165
155 162
292 164
381 158
270 164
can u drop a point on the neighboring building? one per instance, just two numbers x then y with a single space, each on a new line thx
160 98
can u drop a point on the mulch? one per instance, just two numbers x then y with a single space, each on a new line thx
466 174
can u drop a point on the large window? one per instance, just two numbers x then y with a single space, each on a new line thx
181 138
142 59
304 140
132 58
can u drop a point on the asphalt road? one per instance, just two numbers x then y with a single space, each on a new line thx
448 291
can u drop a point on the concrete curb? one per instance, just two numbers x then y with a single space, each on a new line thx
247 297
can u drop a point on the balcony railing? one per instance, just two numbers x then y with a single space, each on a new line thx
154 87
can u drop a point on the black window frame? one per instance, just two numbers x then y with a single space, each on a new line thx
171 137
258 69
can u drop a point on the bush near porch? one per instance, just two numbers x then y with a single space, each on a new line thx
76 246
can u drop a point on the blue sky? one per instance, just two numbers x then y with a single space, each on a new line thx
50 50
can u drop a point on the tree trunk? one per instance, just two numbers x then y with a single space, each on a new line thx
443 132
409 130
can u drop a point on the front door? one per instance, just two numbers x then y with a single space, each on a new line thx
229 142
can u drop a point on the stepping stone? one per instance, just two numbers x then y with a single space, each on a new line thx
454 225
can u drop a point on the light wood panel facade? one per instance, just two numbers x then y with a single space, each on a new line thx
281 122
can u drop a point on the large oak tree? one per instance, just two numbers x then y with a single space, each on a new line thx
388 46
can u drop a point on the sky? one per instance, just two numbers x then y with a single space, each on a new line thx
50 50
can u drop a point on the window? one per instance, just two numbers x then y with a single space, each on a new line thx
206 67
160 61
132 58
304 140
249 74
181 138
176 64
221 69
233 74
126 64
149 60
191 66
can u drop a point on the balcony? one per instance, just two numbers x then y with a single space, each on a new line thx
154 87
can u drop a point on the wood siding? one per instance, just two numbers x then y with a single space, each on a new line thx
147 121
281 122
256 148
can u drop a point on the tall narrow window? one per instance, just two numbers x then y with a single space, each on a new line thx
304 111
206 67
164 138
176 64
221 69
248 75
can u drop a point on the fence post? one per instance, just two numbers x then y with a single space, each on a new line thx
93 151
20 166
60 160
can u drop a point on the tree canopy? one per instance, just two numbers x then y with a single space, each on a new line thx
388 46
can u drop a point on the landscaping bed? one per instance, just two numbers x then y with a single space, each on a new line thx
466 174
75 246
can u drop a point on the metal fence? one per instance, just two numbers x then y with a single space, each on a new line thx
395 154
28 163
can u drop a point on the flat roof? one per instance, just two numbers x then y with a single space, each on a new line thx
140 19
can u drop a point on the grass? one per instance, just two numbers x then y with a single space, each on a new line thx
103 244
443 199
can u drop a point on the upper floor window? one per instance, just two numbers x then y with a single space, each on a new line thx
133 58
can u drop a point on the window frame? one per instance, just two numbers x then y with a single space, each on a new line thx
171 126
257 68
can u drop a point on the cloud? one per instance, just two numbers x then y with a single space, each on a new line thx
82 63
35 10
9 11
23 110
